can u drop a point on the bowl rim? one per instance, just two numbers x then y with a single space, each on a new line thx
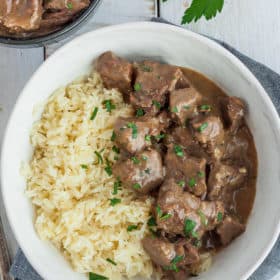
128 26
54 37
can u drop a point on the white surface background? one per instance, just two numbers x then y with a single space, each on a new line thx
251 26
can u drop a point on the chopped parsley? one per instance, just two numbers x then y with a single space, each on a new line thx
144 157
202 127
132 227
135 160
117 186
189 227
200 174
137 87
140 112
178 150
116 149
94 276
84 166
147 171
108 168
174 262
152 222
186 107
181 183
99 157
203 218
160 136
158 210
220 217
192 183
156 104
111 261
134 129
113 137
174 110
136 186
114 201
109 105
205 108
69 6
94 113
166 216
148 138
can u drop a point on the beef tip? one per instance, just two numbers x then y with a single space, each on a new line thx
186 249
115 72
188 171
54 20
209 132
225 177
153 82
229 229
233 111
183 104
72 5
133 134
176 208
142 172
21 15
162 252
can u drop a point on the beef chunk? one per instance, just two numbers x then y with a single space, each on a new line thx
229 229
189 172
133 134
209 132
225 177
153 82
53 20
21 15
233 110
176 207
115 72
72 5
183 104
142 172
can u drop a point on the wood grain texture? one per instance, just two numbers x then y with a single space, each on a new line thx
251 26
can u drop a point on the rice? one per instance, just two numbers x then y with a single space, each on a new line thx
70 188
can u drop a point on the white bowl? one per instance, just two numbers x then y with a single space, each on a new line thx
176 46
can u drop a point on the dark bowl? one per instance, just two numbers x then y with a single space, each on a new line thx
56 36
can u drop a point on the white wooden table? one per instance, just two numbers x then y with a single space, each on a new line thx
252 26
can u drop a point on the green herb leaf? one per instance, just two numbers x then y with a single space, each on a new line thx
174 110
84 166
192 183
159 211
200 174
111 261
148 138
152 222
178 150
134 129
199 8
114 201
156 104
94 113
135 160
189 227
186 107
99 157
108 168
132 227
137 87
109 105
94 276
181 183
205 108
69 6
202 127
144 157
177 259
147 171
140 112
117 186
203 218
166 216
113 137
136 186
160 136
116 149
220 217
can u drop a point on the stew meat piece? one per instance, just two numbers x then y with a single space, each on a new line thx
134 134
115 72
72 5
142 172
225 177
229 229
188 171
21 15
153 82
175 207
183 104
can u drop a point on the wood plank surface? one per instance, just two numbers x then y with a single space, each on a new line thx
251 26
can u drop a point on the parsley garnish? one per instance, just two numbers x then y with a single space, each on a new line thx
199 8
220 217
113 137
192 183
94 113
117 186
134 129
137 87
111 261
147 171
69 6
132 227
156 104
158 210
205 108
166 216
181 183
114 201
152 222
136 186
203 218
200 174
189 227
144 157
109 105
99 157
174 110
94 276
148 138
178 151
187 107
140 112
116 149
108 168
135 160
84 166
160 136
202 127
